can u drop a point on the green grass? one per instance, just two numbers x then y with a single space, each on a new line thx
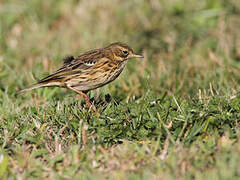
173 115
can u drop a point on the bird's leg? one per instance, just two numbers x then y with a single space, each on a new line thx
85 96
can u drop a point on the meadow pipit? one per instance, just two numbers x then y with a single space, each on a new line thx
90 70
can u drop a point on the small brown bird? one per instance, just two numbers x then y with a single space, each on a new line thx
90 70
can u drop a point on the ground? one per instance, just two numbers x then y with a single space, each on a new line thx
173 115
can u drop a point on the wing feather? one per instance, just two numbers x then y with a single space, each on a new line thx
76 65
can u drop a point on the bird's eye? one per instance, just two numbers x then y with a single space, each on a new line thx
125 52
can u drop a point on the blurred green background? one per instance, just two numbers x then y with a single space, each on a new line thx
186 43
176 112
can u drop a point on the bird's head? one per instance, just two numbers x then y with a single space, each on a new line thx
122 52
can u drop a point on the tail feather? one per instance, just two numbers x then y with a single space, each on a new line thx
35 86
38 85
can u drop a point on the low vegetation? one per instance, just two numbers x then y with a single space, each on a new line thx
173 115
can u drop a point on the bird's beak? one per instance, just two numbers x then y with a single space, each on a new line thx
137 56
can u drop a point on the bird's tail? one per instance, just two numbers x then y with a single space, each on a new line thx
38 85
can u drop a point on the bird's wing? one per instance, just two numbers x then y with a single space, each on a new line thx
76 65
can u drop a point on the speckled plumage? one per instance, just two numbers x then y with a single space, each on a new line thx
90 70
